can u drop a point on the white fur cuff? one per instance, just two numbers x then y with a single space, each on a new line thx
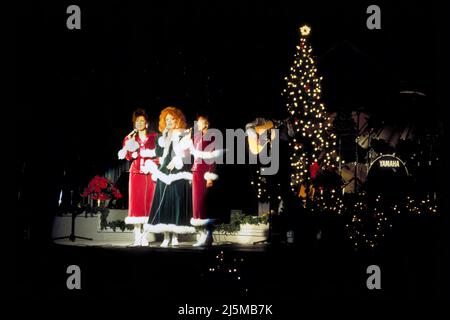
211 176
149 167
131 145
178 161
122 154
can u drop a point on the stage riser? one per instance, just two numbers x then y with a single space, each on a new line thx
89 227
244 236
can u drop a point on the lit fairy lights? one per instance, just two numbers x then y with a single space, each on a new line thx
314 141
370 223
328 202
228 267
264 190
427 205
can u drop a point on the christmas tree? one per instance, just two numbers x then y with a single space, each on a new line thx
313 145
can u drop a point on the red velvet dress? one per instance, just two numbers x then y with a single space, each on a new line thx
141 185
202 170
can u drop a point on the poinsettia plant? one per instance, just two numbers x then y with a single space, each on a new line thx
100 188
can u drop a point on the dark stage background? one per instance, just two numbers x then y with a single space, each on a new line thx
76 89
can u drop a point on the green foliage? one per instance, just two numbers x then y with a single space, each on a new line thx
114 225
237 218
118 224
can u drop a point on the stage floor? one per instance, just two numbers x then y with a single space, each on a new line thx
188 245
412 260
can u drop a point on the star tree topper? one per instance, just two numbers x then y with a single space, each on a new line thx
305 30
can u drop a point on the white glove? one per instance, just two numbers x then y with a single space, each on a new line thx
122 154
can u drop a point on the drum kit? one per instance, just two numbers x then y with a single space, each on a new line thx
375 154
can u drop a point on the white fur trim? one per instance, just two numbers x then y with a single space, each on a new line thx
218 153
150 167
211 176
183 175
178 161
131 145
200 222
207 154
122 154
148 153
184 229
162 227
176 135
161 141
177 149
136 220
134 155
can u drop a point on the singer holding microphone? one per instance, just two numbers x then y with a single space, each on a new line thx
139 147
172 204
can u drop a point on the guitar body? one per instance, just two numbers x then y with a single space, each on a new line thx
254 143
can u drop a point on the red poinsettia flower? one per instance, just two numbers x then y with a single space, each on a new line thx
100 188
103 196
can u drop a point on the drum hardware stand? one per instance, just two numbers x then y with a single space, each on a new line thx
269 239
355 178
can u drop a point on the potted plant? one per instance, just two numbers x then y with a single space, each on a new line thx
100 191
242 228
97 195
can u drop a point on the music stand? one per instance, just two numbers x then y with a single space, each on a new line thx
72 237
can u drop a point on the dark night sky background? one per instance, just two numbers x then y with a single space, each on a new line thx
77 89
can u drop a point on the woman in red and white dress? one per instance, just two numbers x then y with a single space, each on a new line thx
203 176
139 146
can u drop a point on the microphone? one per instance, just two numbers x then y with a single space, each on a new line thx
186 132
132 133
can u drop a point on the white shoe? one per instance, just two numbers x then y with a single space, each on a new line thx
144 239
165 243
174 240
201 241
137 237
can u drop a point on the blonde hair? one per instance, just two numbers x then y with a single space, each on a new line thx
174 112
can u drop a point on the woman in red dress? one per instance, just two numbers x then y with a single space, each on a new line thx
139 146
203 175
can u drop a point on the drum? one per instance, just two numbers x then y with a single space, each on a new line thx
386 139
388 175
